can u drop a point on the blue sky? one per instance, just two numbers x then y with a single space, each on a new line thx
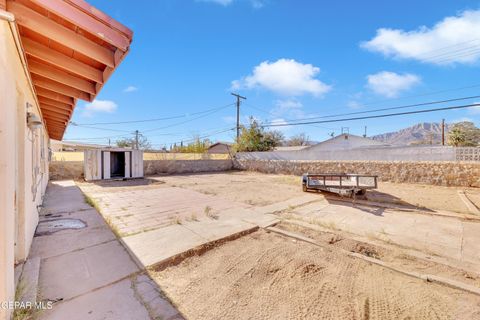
291 59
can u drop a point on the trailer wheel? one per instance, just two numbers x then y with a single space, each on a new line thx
361 192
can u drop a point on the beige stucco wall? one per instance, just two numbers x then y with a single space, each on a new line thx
445 173
23 163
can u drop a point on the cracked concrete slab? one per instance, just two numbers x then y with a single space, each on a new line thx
85 270
114 302
155 246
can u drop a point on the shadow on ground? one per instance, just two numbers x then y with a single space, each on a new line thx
373 197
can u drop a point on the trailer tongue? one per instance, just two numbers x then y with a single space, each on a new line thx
343 184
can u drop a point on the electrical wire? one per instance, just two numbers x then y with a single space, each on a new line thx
190 120
196 138
372 117
156 119
389 108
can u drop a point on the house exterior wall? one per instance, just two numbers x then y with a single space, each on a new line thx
23 161
345 142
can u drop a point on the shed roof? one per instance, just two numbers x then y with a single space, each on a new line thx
71 49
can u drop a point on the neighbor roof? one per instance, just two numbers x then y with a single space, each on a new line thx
72 49
346 141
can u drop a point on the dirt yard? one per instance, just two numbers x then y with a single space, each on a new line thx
164 220
264 189
250 188
268 276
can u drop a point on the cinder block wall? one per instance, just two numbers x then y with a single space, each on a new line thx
152 167
66 170
442 173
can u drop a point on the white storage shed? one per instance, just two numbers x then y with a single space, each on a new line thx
112 163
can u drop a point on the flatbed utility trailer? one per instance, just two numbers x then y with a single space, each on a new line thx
343 184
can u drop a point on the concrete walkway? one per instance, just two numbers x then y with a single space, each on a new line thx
158 222
83 267
452 238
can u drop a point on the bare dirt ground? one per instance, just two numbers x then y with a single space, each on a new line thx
268 276
264 189
247 187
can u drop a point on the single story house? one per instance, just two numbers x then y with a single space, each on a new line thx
345 141
52 54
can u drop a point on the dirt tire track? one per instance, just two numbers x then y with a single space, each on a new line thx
267 276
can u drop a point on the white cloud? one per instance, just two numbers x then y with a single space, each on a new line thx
284 76
290 108
391 84
455 39
130 89
99 106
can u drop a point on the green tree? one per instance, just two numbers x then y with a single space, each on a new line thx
143 143
464 134
300 139
196 146
255 138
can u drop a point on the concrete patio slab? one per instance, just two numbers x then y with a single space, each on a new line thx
444 236
151 247
65 242
85 270
64 197
211 229
115 302
89 216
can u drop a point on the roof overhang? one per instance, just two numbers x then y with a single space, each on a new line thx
71 50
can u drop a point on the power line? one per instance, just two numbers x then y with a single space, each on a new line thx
94 138
449 46
95 128
389 108
372 117
154 119
190 120
196 138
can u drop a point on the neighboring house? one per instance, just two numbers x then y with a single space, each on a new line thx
345 141
220 147
57 146
292 148
52 53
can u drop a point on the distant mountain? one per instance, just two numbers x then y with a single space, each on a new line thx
419 134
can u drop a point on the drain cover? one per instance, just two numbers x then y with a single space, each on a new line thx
55 225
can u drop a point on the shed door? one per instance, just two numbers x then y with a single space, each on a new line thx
128 163
92 165
106 165
137 164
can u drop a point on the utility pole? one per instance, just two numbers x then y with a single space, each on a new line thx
443 132
136 139
238 112
365 134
